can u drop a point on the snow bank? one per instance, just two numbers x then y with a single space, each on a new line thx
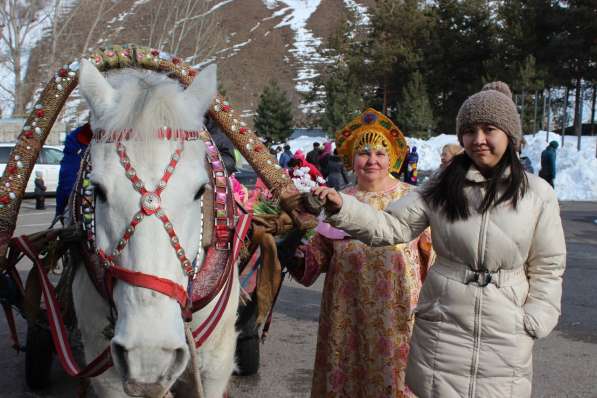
305 143
576 171
576 177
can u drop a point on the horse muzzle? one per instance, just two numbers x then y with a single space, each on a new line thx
148 390
149 371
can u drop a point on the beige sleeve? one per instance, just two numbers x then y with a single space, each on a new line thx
402 221
545 267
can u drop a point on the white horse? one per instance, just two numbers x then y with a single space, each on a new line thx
149 349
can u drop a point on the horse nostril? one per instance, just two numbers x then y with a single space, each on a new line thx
179 363
180 355
119 357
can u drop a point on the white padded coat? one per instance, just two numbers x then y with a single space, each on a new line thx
471 340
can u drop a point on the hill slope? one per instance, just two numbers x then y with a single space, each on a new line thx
254 41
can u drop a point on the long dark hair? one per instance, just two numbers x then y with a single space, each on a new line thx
446 190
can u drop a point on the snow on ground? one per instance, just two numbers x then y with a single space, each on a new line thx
576 177
576 171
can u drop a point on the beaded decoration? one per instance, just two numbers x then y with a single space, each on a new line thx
150 204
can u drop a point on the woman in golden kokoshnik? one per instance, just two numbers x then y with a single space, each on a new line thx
370 292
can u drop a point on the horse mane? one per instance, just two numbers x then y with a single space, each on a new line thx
147 101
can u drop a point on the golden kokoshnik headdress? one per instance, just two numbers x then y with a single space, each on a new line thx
371 129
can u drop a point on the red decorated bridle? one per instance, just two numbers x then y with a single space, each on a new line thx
150 205
102 268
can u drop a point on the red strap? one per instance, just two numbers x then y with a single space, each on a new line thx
161 285
206 327
57 328
209 324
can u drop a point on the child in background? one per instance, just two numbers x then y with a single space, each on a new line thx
40 191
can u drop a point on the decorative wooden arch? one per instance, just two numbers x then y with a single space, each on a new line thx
41 119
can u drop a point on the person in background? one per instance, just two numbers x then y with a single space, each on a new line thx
401 174
313 155
548 163
526 162
412 161
75 145
299 162
448 152
527 165
323 158
40 191
369 292
496 285
336 177
285 157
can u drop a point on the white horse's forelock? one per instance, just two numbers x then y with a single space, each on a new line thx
147 99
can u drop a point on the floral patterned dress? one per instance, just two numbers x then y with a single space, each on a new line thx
369 295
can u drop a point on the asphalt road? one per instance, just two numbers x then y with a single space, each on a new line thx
565 363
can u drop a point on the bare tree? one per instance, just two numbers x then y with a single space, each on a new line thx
20 21
60 33
186 28
102 9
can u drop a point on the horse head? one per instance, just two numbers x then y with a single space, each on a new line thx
148 210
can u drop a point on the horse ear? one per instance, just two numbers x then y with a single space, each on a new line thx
94 87
204 87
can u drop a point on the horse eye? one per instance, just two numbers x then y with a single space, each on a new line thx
100 192
199 193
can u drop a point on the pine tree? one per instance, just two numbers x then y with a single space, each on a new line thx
274 119
337 92
569 51
459 56
528 82
399 32
415 116
342 100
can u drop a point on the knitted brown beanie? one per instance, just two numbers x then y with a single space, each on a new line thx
492 105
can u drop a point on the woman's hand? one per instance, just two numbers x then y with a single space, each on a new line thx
330 197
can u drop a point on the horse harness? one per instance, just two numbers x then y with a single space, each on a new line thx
206 280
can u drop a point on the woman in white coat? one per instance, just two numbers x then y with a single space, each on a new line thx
497 282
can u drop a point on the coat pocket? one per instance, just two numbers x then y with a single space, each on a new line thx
516 296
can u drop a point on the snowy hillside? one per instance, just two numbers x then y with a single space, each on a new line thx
259 40
576 177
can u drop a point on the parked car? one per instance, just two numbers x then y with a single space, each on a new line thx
48 163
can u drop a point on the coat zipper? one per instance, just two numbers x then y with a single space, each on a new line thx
478 306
